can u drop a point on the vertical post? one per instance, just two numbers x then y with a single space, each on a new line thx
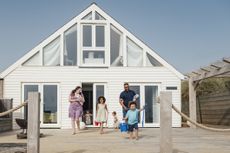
1 88
165 122
33 132
192 102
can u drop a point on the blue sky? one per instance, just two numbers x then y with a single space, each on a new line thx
187 34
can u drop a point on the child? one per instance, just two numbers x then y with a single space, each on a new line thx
115 120
132 116
102 113
88 116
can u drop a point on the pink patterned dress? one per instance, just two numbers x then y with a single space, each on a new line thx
76 108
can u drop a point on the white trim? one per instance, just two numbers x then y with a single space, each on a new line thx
75 20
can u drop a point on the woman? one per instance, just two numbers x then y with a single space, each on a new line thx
76 100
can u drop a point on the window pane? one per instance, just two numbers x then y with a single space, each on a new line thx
98 16
94 57
50 104
88 16
100 36
115 47
134 53
34 60
87 36
70 44
27 89
152 110
51 53
99 91
136 89
150 61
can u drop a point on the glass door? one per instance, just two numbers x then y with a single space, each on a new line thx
49 107
49 102
99 89
152 108
26 89
148 93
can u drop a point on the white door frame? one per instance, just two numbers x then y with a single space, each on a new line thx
142 101
40 89
95 99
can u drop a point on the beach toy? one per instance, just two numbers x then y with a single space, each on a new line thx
123 126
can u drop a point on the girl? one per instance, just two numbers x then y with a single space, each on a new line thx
76 100
102 113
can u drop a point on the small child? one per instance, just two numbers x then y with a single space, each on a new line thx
88 117
115 120
102 113
132 117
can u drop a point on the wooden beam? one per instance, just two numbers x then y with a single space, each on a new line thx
33 132
165 122
213 73
1 88
226 60
192 101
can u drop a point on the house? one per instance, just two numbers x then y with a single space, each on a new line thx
96 52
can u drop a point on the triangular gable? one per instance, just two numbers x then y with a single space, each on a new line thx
99 15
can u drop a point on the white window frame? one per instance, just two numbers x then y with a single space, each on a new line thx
93 47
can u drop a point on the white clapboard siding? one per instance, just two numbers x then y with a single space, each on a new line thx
69 77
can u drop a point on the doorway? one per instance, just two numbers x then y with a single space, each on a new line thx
87 89
91 93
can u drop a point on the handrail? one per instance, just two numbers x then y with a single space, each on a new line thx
13 109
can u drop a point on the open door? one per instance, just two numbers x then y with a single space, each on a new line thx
99 89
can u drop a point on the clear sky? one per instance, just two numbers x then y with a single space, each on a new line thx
187 34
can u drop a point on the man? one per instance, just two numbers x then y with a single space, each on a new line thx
125 97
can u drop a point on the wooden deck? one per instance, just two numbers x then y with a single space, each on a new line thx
185 140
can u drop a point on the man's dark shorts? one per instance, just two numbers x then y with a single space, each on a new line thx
132 126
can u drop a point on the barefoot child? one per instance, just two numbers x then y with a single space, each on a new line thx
102 113
132 117
115 120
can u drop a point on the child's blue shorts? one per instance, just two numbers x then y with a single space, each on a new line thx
132 126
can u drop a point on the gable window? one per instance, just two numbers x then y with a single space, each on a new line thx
93 45
98 16
70 46
116 58
51 53
151 61
88 16
134 54
34 60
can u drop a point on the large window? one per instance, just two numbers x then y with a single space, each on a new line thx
51 53
93 46
70 46
115 47
134 54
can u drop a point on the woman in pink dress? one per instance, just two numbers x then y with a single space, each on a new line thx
76 100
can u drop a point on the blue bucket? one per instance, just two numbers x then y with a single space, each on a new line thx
123 127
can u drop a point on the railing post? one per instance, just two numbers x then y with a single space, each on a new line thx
165 122
192 102
33 132
1 88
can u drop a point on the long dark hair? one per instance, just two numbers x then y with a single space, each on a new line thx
74 90
98 100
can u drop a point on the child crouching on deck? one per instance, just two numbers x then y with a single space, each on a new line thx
132 117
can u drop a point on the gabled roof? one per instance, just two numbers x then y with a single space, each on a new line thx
60 31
